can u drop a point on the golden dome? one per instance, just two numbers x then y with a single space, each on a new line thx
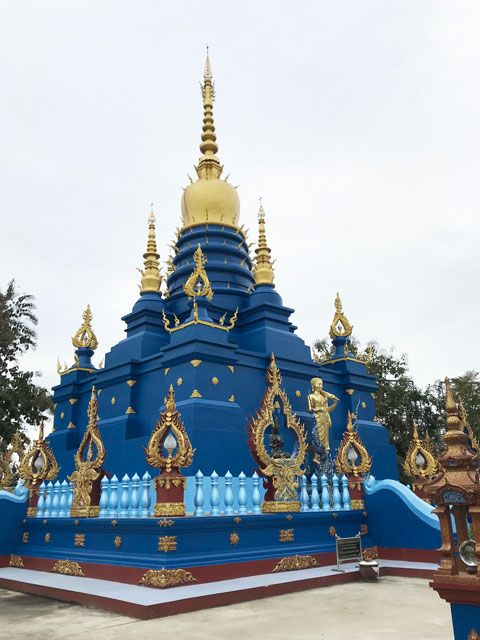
209 199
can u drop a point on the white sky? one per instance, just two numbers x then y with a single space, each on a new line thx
356 121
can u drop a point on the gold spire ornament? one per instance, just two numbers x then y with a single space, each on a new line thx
353 460
282 470
10 463
169 434
340 326
209 200
85 338
37 465
89 460
151 278
198 283
420 459
263 269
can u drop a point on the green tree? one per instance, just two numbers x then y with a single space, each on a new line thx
22 401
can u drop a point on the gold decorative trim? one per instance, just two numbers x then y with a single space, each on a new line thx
114 523
131 382
162 578
47 538
286 535
73 400
197 283
231 368
85 338
234 539
340 326
280 507
350 391
294 563
363 529
25 537
16 561
195 394
67 568
28 469
237 519
112 401
85 511
169 509
70 425
167 543
298 393
180 382
420 447
165 523
215 380
356 505
351 439
195 363
129 411
117 541
79 540
62 415
370 553
31 512
167 370
332 531
231 399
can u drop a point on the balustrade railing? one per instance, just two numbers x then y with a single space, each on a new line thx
212 495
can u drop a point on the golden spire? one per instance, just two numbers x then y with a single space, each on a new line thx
85 338
151 278
340 326
263 269
453 421
209 200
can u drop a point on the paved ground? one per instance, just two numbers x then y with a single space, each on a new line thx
399 608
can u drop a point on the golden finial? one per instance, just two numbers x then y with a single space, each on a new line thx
151 278
41 431
340 326
209 166
263 269
350 422
170 400
198 283
59 366
85 338
462 414
415 431
453 421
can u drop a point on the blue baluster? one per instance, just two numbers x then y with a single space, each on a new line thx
315 497
228 499
242 493
48 500
70 496
135 497
256 497
146 500
214 495
41 500
125 497
325 493
345 494
336 494
113 499
198 498
62 512
303 494
104 482
56 500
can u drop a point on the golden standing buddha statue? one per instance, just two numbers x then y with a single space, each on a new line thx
318 405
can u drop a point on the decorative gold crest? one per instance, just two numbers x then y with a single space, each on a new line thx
68 568
352 457
9 466
89 459
340 326
294 563
16 561
162 578
85 338
286 535
39 463
420 459
234 539
284 470
169 422
167 543
198 283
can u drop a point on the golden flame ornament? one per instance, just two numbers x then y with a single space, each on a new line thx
8 464
340 326
85 338
352 457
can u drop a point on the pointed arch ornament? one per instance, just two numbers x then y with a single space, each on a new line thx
85 338
88 467
351 439
420 447
282 473
198 277
7 476
170 484
37 465
340 326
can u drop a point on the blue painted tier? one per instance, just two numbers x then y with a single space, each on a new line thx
13 509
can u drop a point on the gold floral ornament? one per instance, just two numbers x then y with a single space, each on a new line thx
162 578
89 460
151 278
198 283
282 472
169 434
10 463
38 465
85 338
420 459
340 326
352 457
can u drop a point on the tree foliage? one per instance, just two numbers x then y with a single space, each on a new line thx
22 401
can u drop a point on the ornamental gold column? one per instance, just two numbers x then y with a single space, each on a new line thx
169 435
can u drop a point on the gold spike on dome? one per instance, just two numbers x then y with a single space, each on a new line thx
151 278
198 283
340 326
209 199
262 270
85 338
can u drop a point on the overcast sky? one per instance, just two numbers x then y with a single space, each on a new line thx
357 121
